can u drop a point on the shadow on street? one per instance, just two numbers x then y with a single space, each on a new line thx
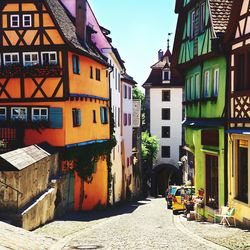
117 209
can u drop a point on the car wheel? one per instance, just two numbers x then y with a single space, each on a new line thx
175 212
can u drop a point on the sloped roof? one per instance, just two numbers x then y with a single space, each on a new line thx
21 158
128 79
68 29
220 14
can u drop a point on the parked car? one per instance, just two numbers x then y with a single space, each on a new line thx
169 194
182 194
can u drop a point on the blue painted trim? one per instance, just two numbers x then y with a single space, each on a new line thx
84 143
244 131
89 96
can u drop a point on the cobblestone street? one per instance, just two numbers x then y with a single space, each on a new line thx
143 225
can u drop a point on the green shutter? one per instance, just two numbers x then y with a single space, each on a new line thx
55 116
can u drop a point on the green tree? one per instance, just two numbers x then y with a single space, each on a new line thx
150 147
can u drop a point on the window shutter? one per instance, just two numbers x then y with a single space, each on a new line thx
79 117
56 115
102 114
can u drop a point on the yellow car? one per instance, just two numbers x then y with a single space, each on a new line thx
181 194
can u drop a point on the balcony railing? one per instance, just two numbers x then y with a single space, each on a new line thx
16 71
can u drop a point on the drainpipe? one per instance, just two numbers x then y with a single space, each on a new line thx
110 97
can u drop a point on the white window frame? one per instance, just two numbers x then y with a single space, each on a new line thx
202 16
11 61
163 76
192 24
51 62
192 88
30 20
31 63
40 117
206 83
216 81
14 117
11 21
3 116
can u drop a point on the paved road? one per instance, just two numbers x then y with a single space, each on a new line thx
143 225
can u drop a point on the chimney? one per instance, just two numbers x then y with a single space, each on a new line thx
160 55
81 19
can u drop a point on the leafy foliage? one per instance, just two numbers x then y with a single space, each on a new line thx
150 147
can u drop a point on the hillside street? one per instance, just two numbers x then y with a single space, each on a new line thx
143 225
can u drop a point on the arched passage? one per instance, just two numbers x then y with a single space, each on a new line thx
162 176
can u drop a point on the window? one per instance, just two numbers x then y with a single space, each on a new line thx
91 72
216 81
76 64
165 151
165 114
212 181
129 119
94 116
30 58
166 75
98 74
192 24
104 115
192 88
10 58
19 113
125 120
197 86
240 82
202 16
27 21
165 95
119 82
118 117
210 137
76 115
129 93
49 58
125 91
3 113
206 84
39 114
242 170
165 132
14 21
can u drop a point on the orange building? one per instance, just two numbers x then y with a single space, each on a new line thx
53 85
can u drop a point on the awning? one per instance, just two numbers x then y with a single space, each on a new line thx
203 123
245 131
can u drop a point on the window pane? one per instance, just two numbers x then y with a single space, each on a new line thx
242 169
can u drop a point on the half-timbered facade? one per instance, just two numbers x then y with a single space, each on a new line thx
53 83
239 111
201 62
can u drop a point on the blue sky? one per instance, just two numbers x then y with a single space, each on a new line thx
139 28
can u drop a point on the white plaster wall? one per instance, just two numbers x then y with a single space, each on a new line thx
116 104
156 122
127 106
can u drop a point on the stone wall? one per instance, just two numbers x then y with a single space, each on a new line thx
41 211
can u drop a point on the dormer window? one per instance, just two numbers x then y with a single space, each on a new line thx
166 76
14 21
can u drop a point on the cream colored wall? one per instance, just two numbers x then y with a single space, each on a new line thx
242 214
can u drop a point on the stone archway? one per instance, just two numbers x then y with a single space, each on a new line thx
162 176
